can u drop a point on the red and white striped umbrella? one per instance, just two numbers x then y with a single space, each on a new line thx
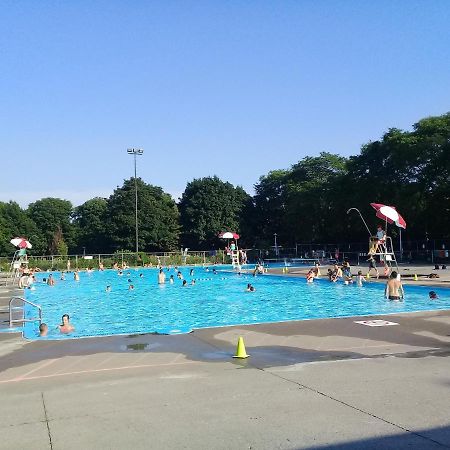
20 242
389 213
228 235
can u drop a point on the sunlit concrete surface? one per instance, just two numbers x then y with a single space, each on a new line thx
308 384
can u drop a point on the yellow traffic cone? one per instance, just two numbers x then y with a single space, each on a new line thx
240 350
415 277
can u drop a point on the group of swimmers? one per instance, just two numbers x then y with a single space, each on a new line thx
394 289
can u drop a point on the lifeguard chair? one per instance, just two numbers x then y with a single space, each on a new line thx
381 246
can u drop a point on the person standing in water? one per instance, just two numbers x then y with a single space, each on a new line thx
359 279
161 277
394 288
51 280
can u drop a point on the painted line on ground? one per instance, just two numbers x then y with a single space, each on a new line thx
47 363
26 378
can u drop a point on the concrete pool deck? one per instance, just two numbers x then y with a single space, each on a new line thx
329 383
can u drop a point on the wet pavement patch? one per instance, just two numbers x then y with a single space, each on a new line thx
137 347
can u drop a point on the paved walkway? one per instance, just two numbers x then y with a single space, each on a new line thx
310 384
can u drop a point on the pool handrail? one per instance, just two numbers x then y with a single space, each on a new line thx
12 321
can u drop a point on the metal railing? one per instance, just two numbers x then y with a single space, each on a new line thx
23 319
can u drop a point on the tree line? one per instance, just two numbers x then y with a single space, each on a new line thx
305 203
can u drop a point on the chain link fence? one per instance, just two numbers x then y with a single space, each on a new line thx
426 251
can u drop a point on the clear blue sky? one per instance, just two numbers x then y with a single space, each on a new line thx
206 87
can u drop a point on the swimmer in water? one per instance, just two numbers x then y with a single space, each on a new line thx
184 283
76 276
130 287
43 330
359 279
171 280
66 326
250 288
161 277
433 295
108 288
394 288
51 280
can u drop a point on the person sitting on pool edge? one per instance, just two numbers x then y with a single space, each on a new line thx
394 288
66 327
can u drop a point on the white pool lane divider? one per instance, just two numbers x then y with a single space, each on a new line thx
376 323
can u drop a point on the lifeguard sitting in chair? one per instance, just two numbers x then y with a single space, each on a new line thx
376 241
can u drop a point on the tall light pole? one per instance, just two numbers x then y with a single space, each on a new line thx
276 246
135 152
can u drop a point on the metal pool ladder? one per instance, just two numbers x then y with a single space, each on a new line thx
22 320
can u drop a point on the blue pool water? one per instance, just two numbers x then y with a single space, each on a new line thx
215 300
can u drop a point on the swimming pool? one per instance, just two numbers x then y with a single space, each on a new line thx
215 300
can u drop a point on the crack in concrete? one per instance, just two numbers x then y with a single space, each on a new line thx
303 386
46 421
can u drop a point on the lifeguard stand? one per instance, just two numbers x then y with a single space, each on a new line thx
385 250
19 261
235 258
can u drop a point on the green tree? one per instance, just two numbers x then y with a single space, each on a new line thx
89 220
270 206
14 222
209 206
314 197
157 218
409 170
52 215
301 204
